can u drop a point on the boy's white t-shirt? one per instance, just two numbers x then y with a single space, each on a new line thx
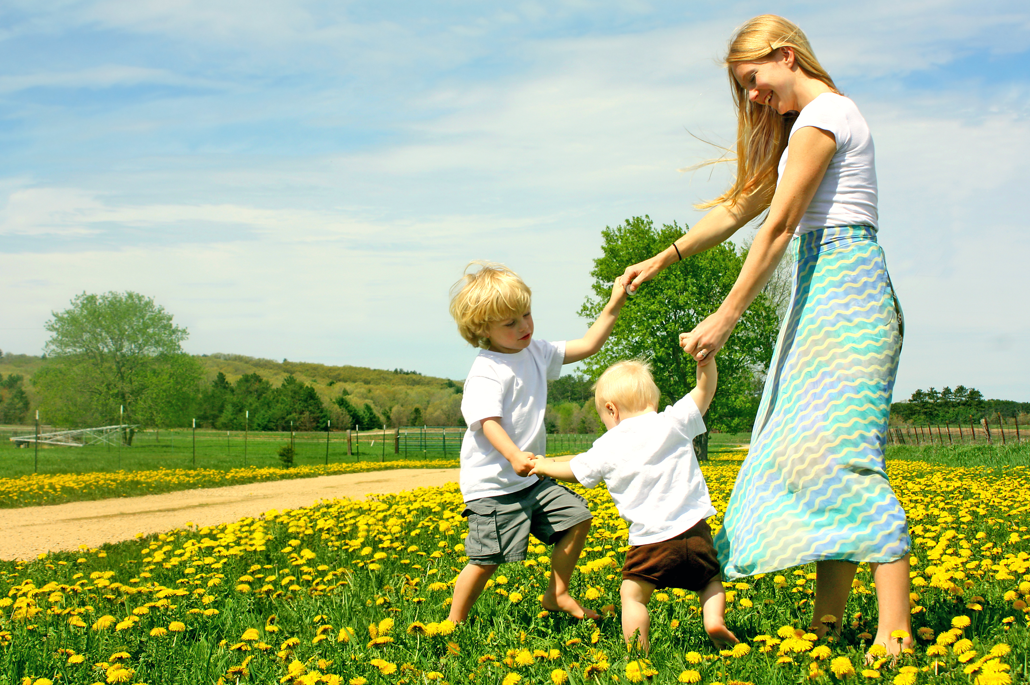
847 194
514 388
649 466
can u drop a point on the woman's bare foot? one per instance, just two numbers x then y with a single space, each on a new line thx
570 606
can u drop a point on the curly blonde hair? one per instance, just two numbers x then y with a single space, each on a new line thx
489 295
762 132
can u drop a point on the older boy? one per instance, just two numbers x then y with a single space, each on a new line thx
503 405
647 461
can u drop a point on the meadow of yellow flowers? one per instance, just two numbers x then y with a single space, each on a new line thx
356 592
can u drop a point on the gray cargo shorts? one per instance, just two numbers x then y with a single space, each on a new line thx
499 527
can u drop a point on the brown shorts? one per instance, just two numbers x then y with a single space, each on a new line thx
686 561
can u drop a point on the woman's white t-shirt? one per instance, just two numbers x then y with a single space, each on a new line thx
847 194
649 466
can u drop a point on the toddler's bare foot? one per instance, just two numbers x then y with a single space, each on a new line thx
570 606
722 637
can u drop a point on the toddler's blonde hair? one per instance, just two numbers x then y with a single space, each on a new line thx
628 383
492 294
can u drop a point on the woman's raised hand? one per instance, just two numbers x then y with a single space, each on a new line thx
636 274
707 338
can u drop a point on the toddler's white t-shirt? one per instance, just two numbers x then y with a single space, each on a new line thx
649 466
514 388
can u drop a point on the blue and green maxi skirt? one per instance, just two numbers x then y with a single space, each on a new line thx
814 484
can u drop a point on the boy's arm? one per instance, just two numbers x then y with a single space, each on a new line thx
590 343
707 377
498 437
561 470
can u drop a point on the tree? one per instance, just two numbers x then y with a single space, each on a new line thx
14 403
675 301
111 351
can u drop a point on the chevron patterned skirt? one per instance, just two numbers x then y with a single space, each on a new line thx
814 485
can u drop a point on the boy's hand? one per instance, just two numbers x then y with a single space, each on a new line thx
538 463
522 462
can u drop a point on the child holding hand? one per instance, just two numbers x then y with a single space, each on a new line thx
503 405
647 461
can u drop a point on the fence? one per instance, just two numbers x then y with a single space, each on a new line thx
967 434
418 440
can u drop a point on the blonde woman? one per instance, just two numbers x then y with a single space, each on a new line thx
814 487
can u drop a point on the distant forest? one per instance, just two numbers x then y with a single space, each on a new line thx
958 406
264 394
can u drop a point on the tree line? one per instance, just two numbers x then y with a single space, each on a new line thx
948 406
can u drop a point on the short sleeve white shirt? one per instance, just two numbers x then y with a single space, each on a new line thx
847 195
652 474
514 388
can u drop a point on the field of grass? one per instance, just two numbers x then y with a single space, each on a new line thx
164 462
356 593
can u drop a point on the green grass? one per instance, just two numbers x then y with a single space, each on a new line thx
1011 454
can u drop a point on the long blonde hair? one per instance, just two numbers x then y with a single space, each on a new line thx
762 132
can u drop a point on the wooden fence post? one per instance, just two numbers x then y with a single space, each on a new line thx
972 427
987 430
1001 428
397 440
1016 419
961 438
348 442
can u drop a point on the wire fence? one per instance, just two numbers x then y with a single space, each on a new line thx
973 432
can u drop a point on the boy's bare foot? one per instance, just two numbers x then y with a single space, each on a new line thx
722 637
570 606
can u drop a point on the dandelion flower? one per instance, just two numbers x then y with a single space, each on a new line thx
524 658
559 677
961 622
740 650
511 679
693 658
689 676
842 667
176 627
905 679
385 667
870 673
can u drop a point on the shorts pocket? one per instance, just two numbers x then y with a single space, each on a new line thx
483 539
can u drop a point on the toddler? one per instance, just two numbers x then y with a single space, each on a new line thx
647 461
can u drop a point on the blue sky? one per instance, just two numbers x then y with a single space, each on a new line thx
305 180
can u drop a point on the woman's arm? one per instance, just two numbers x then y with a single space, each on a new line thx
810 152
717 225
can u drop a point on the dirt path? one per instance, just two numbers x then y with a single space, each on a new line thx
32 531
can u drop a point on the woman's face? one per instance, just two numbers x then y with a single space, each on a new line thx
769 82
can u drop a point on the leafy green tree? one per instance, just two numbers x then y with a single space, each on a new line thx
676 301
110 351
14 402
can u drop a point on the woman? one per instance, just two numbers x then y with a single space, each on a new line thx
814 486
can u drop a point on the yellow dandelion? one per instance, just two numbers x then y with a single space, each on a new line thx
842 667
905 679
689 676
158 632
925 633
250 635
75 659
900 635
446 627
821 652
870 673
693 658
385 667
1000 650
559 677
740 650
511 679
961 622
524 658
962 645
176 627
104 622
357 681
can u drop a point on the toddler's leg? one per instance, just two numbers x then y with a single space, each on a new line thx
713 612
563 563
832 586
892 595
636 622
467 589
